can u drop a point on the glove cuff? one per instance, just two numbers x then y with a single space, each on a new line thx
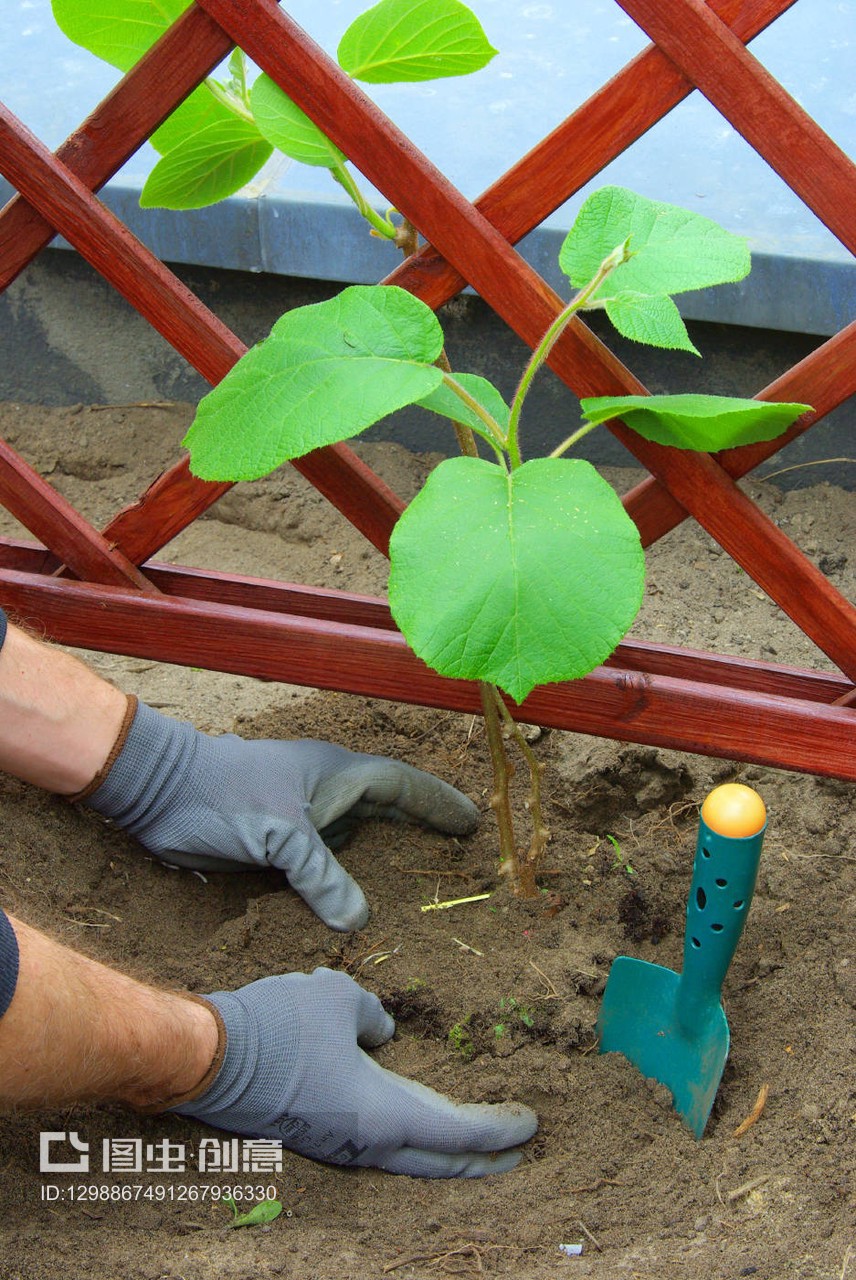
115 752
147 786
210 1075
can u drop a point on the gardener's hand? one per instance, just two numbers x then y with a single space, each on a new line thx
294 1070
220 803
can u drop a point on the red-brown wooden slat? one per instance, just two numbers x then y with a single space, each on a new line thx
770 120
628 705
51 518
767 555
108 245
369 611
188 51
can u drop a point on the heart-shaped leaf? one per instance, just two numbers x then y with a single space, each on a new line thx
399 40
518 578
206 167
701 422
672 249
326 372
289 128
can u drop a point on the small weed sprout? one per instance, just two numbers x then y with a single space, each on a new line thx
262 1212
461 1040
512 1011
619 858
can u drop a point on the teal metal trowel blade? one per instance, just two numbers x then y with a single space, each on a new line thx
672 1026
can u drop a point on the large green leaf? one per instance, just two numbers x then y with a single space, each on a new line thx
400 40
206 167
326 372
672 249
289 128
518 578
119 31
450 405
707 423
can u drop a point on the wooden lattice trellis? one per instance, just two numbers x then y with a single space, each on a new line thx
102 589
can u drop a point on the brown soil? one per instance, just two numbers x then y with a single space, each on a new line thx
612 1166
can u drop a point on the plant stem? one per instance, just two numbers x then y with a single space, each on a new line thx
229 99
464 436
491 700
503 768
382 226
503 772
492 430
539 355
527 867
551 337
572 439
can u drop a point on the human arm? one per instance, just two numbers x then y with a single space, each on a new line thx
283 1057
77 1031
58 719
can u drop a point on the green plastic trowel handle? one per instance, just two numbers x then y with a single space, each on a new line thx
724 875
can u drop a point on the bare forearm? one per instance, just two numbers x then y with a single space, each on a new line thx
78 1031
58 719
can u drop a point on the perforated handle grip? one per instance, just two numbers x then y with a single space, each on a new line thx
724 876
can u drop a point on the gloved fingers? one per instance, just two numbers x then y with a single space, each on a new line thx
322 882
436 1164
430 1121
434 1122
374 1025
335 834
375 786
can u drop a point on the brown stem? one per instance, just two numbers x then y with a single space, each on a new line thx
528 866
407 238
503 772
465 437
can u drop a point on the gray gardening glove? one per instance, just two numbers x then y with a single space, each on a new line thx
294 1070
221 803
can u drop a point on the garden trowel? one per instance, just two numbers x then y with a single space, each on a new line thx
672 1026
